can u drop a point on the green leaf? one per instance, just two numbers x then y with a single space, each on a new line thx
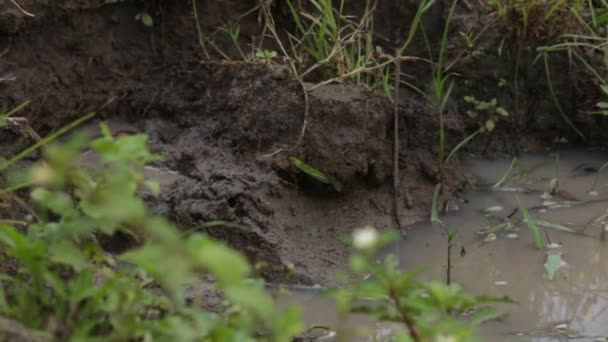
251 299
65 252
469 99
288 323
602 105
215 256
145 18
501 111
485 314
552 264
58 202
316 174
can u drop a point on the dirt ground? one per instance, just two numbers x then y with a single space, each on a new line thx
229 129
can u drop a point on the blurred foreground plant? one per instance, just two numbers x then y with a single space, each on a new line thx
421 310
63 283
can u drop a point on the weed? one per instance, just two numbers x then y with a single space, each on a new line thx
63 276
486 113
424 309
442 88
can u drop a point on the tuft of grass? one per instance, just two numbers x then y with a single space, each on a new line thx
442 88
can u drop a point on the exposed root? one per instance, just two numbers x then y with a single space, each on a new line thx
21 9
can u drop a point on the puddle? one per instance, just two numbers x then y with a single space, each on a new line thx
573 305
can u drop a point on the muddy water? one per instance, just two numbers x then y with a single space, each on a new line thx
574 304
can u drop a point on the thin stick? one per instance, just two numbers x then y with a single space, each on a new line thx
396 179
21 9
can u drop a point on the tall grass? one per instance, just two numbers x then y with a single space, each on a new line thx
442 88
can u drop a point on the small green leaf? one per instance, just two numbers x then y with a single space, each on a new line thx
316 174
67 253
602 105
469 99
501 111
146 19
552 265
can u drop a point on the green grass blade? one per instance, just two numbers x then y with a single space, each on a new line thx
538 238
555 226
16 109
462 144
506 175
46 140
434 207
316 174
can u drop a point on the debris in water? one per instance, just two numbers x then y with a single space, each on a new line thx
500 283
554 263
491 237
512 236
494 209
594 193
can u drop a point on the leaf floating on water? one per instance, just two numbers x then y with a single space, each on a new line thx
552 265
316 174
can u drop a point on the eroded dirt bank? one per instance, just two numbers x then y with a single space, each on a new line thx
229 129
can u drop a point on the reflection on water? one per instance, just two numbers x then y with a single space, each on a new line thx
575 303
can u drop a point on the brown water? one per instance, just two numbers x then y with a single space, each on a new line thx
572 306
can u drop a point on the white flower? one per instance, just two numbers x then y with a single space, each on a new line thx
364 238
42 174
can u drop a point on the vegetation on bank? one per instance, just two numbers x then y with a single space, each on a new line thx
58 280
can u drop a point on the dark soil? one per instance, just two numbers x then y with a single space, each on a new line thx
229 129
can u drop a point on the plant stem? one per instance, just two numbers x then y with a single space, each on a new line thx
396 179
405 317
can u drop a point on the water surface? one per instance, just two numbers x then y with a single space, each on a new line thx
571 306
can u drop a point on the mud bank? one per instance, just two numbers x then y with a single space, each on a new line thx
228 130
